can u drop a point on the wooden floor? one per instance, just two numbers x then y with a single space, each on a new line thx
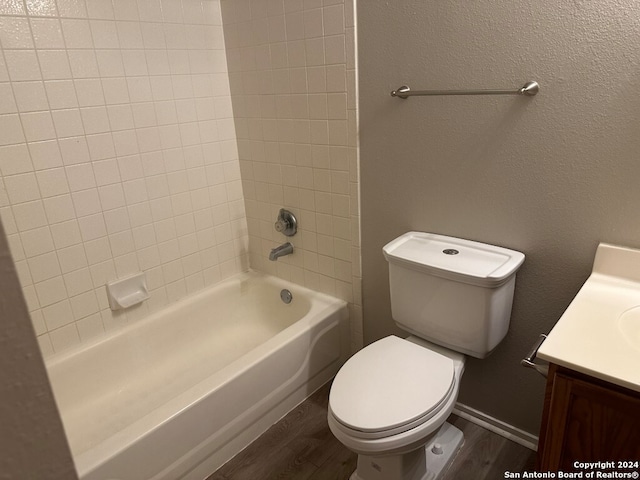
301 447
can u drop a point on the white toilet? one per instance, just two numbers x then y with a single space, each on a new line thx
389 402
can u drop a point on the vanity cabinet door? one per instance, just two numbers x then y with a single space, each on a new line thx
585 419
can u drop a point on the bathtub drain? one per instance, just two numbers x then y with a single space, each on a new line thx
286 296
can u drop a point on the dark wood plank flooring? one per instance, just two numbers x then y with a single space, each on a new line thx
301 447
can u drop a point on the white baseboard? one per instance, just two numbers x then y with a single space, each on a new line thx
497 426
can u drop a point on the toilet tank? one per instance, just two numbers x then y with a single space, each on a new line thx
452 292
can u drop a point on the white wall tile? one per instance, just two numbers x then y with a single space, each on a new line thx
30 96
74 150
28 216
4 74
139 88
44 267
80 177
7 101
41 7
45 154
116 221
31 298
65 234
115 90
15 33
100 9
64 338
12 7
125 10
90 327
52 182
97 251
51 291
334 20
37 241
54 65
95 120
68 123
22 188
61 93
57 315
77 282
47 33
313 22
110 63
101 146
89 92
38 126
72 258
92 227
76 33
111 196
86 202
335 50
72 8
26 279
150 10
11 129
15 159
83 63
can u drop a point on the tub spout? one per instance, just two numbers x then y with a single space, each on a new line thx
281 251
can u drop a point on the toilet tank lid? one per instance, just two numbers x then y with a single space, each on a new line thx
454 258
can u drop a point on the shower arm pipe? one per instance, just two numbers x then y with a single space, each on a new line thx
529 89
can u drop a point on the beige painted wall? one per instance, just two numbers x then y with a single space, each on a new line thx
550 176
32 443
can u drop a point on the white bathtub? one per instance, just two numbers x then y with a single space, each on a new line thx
178 394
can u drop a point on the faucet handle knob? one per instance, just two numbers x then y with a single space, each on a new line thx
286 223
281 225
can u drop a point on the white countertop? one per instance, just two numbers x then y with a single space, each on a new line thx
599 333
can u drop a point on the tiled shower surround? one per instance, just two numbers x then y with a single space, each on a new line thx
118 153
293 86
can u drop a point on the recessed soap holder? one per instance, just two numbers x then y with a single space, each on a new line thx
128 291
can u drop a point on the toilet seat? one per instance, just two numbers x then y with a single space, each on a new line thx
389 387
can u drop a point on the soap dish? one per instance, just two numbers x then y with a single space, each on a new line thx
128 291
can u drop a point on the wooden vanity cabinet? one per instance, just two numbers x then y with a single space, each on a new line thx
586 419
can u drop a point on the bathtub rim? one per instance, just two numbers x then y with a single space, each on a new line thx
330 310
56 359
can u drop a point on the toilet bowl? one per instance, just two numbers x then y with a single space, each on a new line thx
390 401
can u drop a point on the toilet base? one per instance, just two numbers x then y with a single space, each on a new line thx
420 464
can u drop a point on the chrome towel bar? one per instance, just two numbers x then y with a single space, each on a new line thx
529 360
529 89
